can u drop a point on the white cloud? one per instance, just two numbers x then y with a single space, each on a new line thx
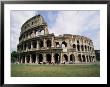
78 22
17 19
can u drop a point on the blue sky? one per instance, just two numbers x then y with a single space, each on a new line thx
85 23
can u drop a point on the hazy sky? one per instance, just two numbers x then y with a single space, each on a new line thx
85 23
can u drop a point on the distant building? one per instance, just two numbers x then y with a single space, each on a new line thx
36 45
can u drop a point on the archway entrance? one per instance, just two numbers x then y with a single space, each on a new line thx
66 57
40 59
57 58
41 44
33 58
48 43
72 58
87 59
23 59
79 58
48 58
84 60
28 58
78 47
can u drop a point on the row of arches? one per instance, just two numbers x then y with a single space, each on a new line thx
48 43
38 58
33 58
32 33
33 44
82 47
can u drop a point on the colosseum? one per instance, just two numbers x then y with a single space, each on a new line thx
36 45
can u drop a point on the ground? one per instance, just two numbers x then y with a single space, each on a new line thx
72 70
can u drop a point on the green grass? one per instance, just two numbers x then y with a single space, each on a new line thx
22 70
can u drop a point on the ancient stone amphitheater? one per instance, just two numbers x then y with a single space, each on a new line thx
36 45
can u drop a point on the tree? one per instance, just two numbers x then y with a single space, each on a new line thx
13 56
97 52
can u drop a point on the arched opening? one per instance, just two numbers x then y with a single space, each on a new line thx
57 58
34 44
83 57
90 58
93 59
72 58
33 58
25 46
85 48
48 43
57 44
40 58
74 46
29 45
64 44
88 48
41 43
87 59
23 59
78 47
48 58
20 59
82 47
28 58
66 57
77 41
79 58
30 34
21 47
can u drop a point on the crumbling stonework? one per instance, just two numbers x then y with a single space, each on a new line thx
36 45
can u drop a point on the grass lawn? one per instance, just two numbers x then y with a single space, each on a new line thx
29 70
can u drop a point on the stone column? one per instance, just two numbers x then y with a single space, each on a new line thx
25 59
44 57
30 61
76 48
76 57
33 33
37 44
52 42
31 45
44 44
68 58
84 48
89 58
36 58
53 58
61 58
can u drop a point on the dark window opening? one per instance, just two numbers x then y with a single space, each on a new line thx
66 57
64 43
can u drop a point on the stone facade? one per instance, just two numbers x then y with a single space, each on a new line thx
36 45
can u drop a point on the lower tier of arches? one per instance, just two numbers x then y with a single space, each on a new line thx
48 58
